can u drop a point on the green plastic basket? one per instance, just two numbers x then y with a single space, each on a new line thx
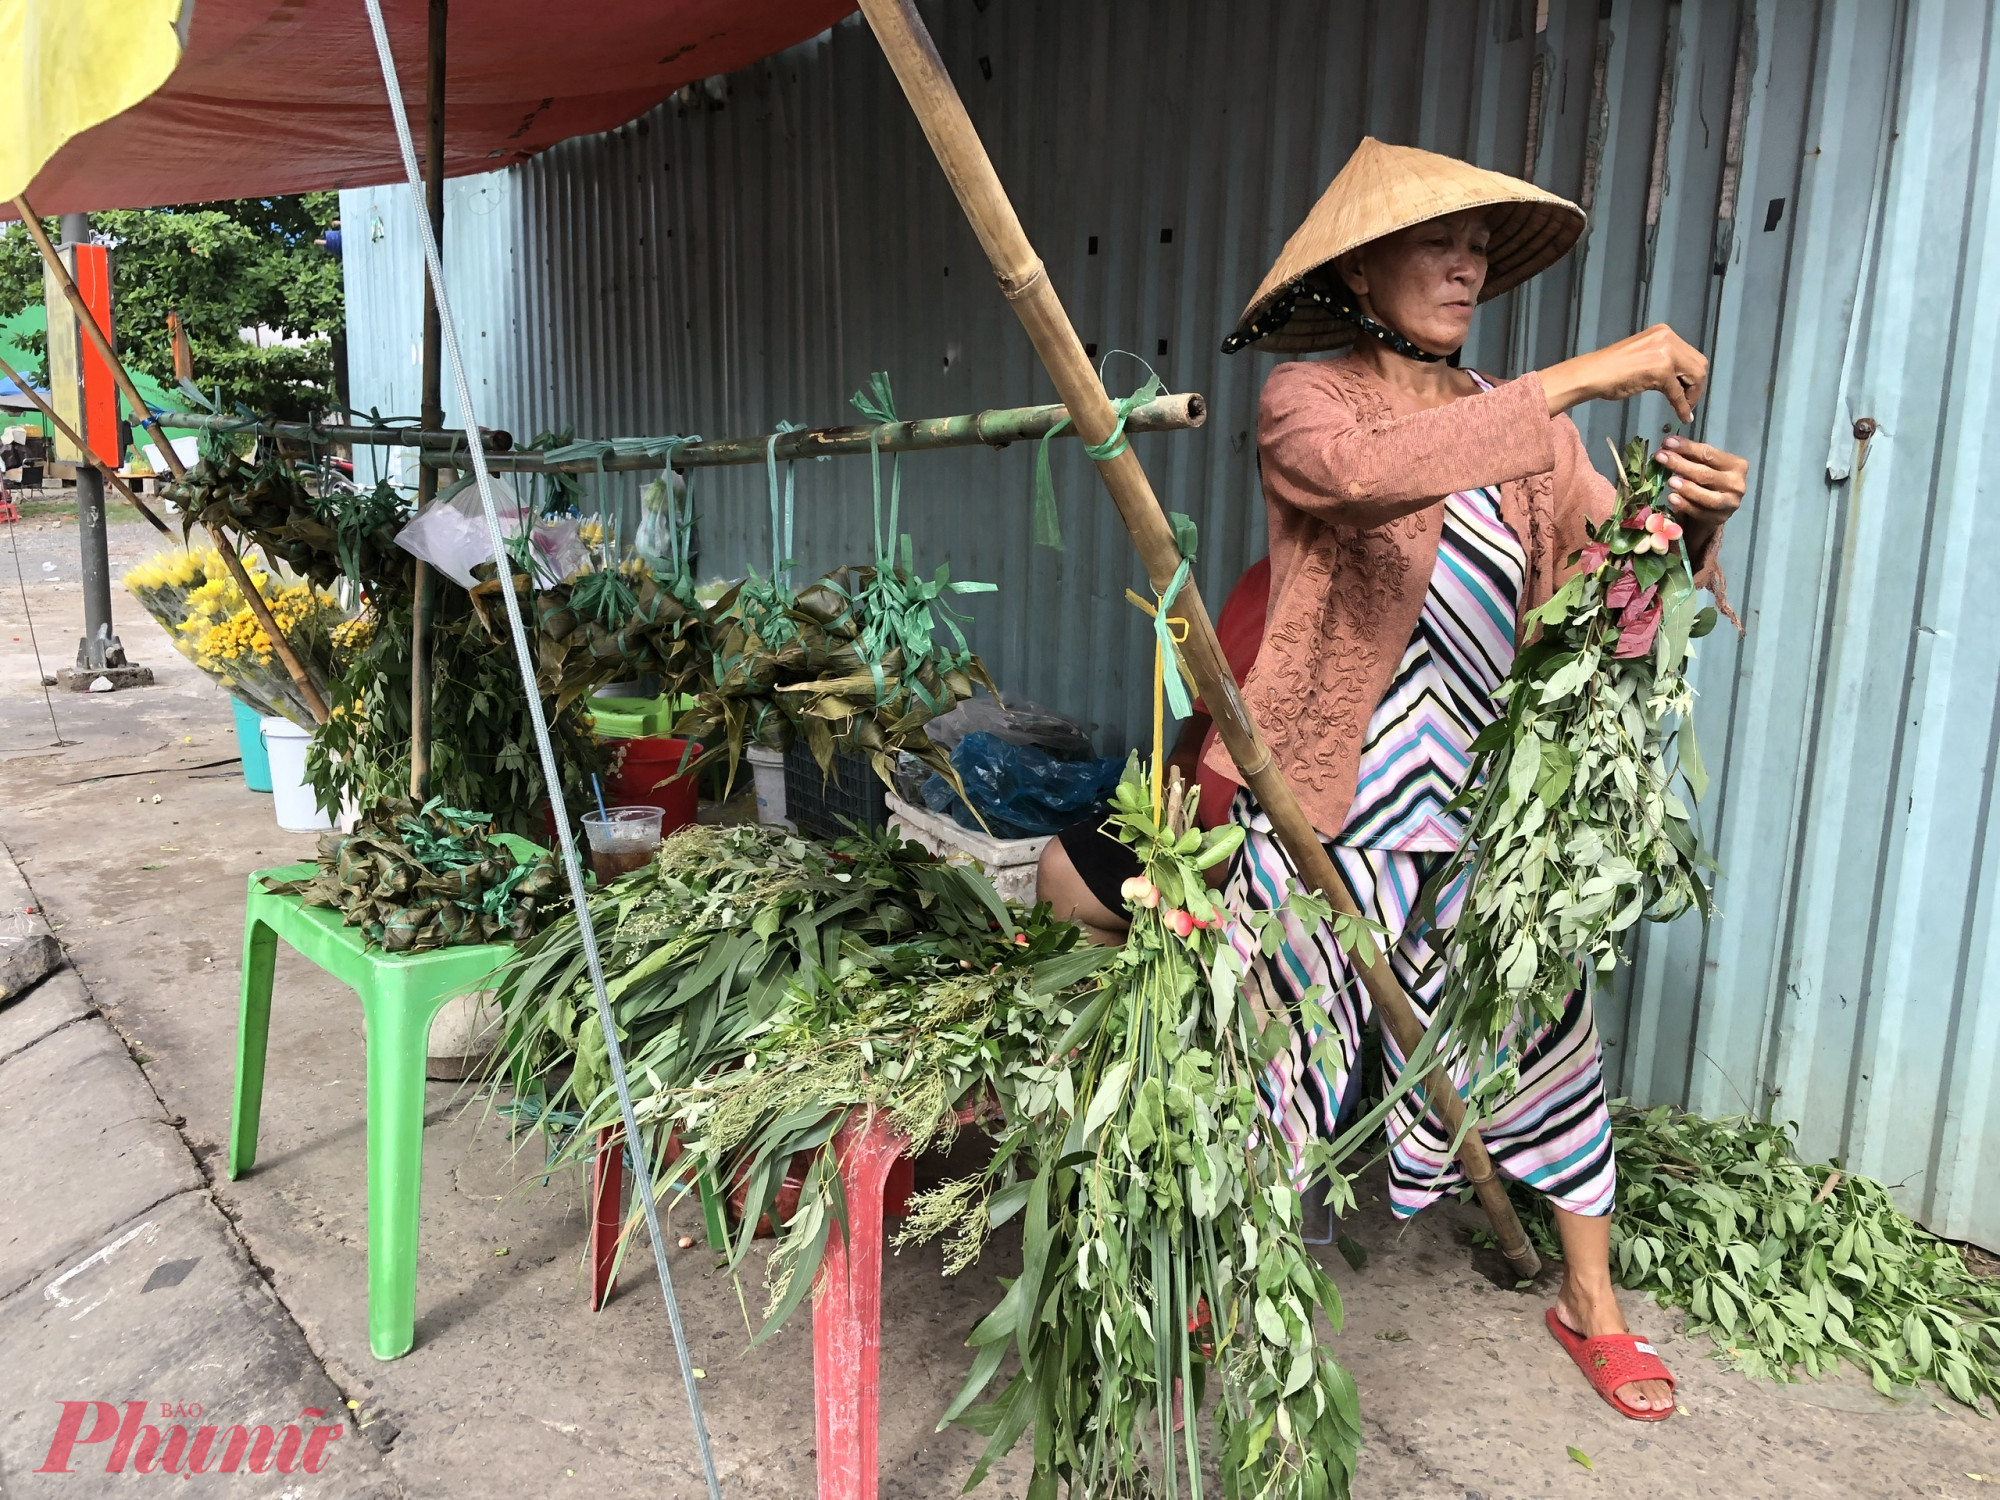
635 718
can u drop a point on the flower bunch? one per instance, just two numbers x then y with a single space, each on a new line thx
1576 829
193 595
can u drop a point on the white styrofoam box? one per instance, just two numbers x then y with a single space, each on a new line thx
1008 863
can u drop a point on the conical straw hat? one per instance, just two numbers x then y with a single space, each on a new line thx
1386 188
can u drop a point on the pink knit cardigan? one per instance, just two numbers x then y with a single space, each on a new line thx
1355 496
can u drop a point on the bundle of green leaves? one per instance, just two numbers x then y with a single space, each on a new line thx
730 933
417 878
1789 1264
487 759
1576 831
1160 1223
606 624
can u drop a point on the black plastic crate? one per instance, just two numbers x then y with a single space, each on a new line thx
824 804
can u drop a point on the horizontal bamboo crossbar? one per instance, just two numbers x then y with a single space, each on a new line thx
993 429
330 433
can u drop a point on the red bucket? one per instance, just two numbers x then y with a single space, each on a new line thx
652 775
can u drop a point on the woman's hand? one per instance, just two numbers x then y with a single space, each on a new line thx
1657 359
1707 484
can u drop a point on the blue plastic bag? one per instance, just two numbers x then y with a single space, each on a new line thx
1022 791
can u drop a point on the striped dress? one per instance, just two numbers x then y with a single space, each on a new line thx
1554 1133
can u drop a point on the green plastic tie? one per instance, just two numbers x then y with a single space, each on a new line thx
781 529
1047 528
877 402
1185 537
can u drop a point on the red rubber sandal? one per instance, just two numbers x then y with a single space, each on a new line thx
1612 1360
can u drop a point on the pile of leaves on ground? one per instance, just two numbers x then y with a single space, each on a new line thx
1790 1265
1575 830
414 879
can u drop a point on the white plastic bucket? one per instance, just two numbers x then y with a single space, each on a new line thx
291 795
767 773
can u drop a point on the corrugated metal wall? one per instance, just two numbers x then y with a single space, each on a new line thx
1804 187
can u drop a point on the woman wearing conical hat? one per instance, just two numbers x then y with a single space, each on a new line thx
1417 511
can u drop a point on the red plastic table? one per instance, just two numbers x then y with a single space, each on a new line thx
878 1178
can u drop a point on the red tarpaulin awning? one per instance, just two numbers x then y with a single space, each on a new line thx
285 96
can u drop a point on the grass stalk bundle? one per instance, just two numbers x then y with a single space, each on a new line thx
1162 1250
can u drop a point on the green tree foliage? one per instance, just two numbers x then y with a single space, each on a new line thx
224 267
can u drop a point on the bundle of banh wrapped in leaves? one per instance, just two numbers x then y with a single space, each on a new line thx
433 877
605 624
850 663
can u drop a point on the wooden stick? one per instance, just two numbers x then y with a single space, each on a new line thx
1025 282
69 432
995 429
430 413
251 596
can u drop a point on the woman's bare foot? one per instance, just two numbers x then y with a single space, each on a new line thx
1587 1303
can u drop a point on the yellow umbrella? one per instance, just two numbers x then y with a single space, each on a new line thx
76 63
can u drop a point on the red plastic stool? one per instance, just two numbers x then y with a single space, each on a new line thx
607 1209
9 512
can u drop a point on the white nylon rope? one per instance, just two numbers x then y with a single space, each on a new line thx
524 663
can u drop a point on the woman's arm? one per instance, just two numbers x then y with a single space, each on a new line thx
1657 359
1319 454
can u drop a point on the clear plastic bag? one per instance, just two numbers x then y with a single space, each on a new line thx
450 534
1019 723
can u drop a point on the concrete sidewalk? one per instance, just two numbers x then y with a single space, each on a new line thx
122 1281
130 1269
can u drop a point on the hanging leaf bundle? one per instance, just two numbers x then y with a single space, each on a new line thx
1576 830
852 663
414 879
849 665
319 530
603 625
1161 1243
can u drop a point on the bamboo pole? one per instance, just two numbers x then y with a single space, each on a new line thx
117 481
430 413
994 429
251 595
449 441
1025 282
446 449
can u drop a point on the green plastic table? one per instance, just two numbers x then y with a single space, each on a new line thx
401 994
